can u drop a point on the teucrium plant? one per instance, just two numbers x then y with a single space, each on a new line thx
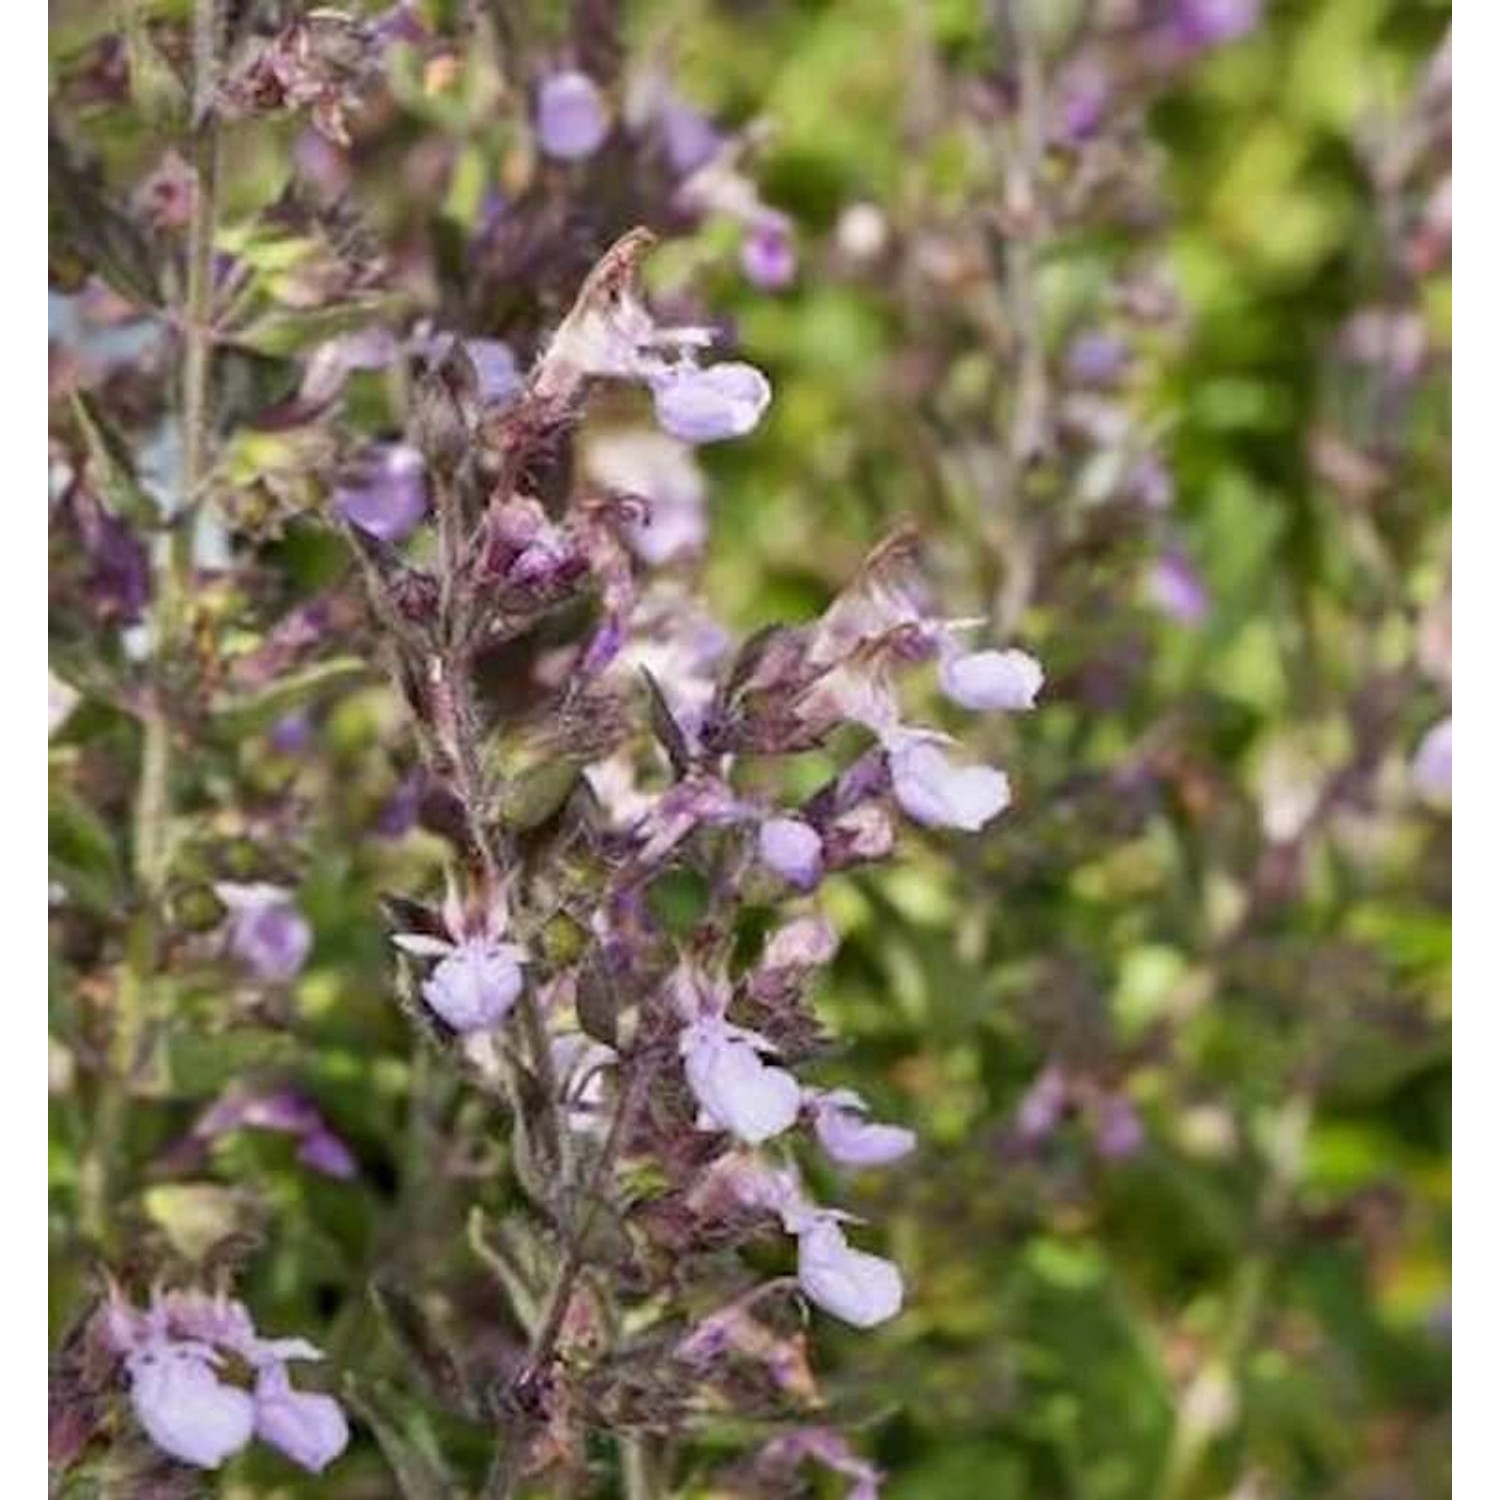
648 1060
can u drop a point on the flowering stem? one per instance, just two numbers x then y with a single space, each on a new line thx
506 1468
636 1468
172 582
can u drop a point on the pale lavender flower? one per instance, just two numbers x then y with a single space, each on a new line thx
1118 1131
1432 765
475 983
291 734
828 1448
494 363
768 255
183 1406
1176 588
572 119
1083 93
737 1091
707 405
1210 23
688 135
310 1428
935 792
387 494
640 461
1150 482
1042 1105
1097 357
850 1138
173 1353
283 1111
991 680
793 850
857 1288
266 931
324 1152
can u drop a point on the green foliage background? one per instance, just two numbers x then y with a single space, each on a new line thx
1254 1303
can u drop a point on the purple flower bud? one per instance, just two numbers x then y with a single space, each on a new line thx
992 680
474 987
1432 765
1118 1130
802 943
736 1091
688 135
1083 93
388 495
266 931
1097 358
308 1427
1150 482
708 405
185 1409
768 256
852 1140
1042 1105
291 734
325 1152
938 794
571 118
1176 589
857 1288
1210 23
793 850
862 834
495 364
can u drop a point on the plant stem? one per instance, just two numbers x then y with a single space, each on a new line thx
637 1471
1191 1440
172 580
505 1471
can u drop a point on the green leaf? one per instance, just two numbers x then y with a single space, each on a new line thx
202 1062
82 854
284 331
250 712
409 1447
528 800
429 1352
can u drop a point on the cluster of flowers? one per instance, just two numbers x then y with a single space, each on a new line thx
179 1355
788 691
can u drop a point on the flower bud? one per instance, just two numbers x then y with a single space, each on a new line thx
768 257
793 850
571 119
388 495
802 943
